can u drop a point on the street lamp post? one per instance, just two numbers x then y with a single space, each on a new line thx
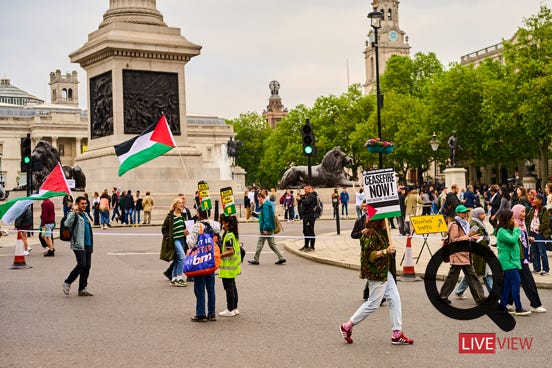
375 21
434 146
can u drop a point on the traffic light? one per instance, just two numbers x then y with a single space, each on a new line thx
26 151
308 139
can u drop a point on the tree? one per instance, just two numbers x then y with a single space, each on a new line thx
334 120
529 59
252 131
410 77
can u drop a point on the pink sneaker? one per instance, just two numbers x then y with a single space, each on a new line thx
346 333
401 340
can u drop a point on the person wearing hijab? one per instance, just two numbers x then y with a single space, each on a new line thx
507 243
525 275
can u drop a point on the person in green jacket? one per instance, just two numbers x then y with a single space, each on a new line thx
507 238
230 264
267 224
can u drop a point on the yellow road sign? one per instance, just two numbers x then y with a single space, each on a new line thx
429 224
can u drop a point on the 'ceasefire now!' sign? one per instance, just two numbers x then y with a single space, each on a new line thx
381 195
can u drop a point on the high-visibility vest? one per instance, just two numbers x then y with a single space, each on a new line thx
230 266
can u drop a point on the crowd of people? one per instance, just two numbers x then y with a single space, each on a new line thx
120 206
521 220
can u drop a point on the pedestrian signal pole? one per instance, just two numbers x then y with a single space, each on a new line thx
308 145
26 160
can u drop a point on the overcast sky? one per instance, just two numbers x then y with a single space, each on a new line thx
306 45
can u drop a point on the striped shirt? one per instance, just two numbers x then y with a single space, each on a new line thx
178 227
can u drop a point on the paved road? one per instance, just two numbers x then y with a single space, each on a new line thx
289 315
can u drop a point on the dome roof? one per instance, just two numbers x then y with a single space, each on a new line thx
13 95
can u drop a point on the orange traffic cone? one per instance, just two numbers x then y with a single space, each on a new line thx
408 273
19 258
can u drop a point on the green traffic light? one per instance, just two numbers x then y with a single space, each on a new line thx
308 150
26 160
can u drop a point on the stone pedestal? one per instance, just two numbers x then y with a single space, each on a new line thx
529 182
455 175
238 177
135 67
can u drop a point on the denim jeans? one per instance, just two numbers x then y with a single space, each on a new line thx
378 291
488 280
538 248
202 283
82 269
179 257
511 286
104 217
344 209
115 212
131 216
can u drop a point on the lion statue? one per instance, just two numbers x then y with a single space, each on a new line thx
49 156
329 174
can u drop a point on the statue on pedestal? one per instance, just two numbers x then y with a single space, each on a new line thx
454 147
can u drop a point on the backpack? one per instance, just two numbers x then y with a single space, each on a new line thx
66 232
282 198
319 207
25 219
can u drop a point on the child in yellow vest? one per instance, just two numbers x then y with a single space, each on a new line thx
230 264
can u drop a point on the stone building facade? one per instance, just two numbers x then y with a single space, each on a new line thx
275 111
392 41
60 122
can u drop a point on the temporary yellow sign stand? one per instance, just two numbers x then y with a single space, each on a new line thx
425 225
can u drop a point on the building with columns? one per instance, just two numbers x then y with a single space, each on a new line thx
392 41
60 122
64 125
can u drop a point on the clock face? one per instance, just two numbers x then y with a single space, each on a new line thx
393 36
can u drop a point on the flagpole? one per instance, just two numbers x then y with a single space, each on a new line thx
184 166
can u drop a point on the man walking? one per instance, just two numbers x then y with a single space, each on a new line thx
459 230
266 226
451 202
115 205
82 245
47 222
308 203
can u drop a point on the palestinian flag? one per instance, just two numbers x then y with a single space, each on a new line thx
55 185
155 141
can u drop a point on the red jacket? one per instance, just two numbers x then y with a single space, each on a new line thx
48 215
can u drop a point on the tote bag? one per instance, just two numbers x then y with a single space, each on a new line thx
204 259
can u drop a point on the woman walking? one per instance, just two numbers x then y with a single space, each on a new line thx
173 245
377 264
507 238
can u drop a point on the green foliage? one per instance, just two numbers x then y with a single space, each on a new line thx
252 131
502 113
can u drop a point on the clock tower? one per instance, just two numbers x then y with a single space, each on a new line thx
392 41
